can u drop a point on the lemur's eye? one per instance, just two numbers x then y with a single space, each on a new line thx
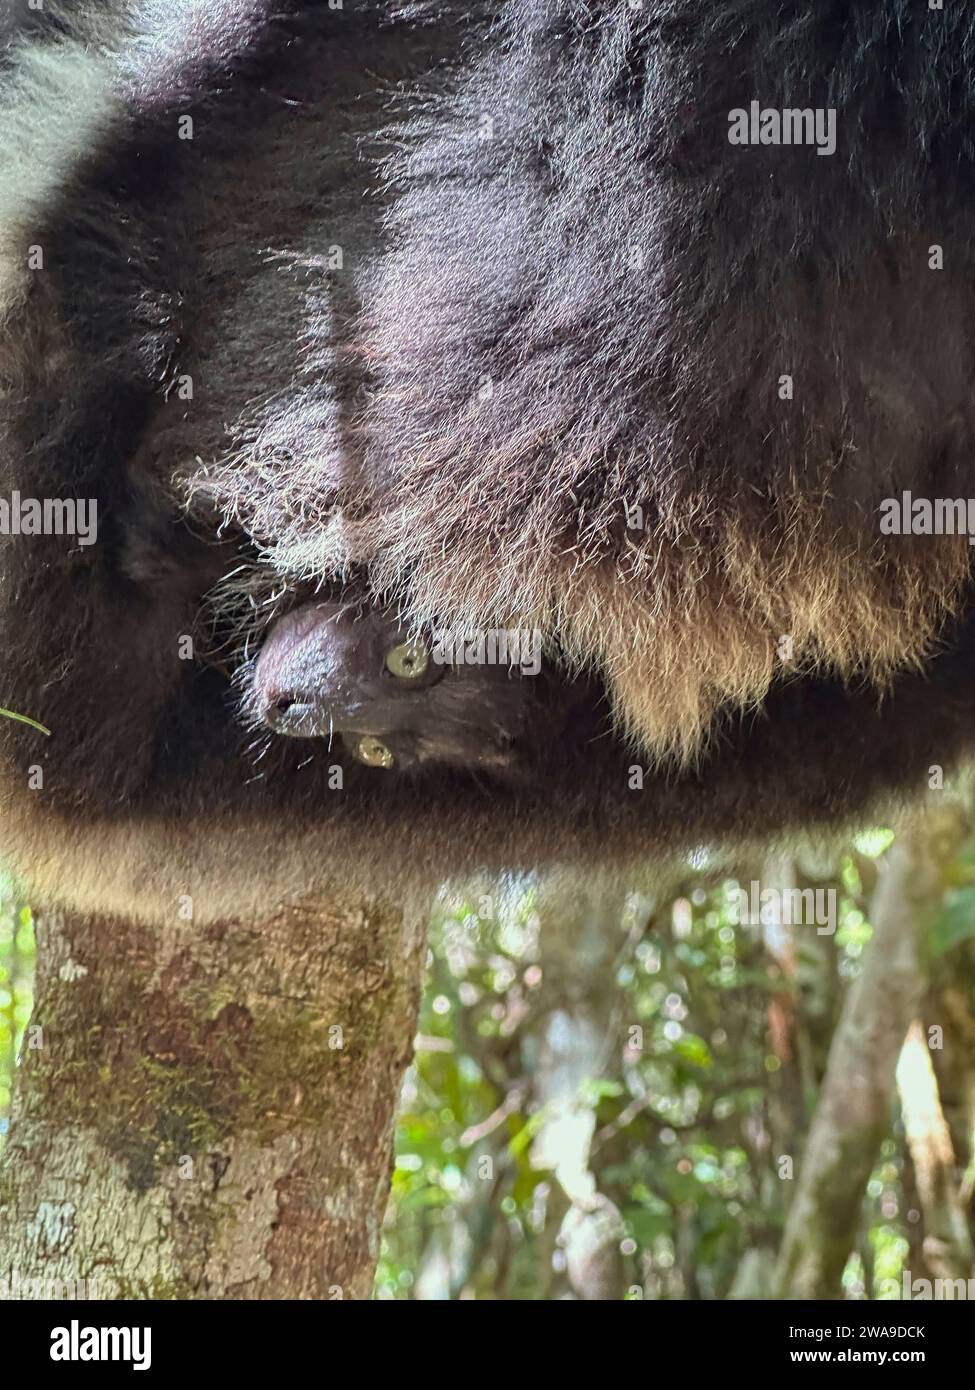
373 752
407 661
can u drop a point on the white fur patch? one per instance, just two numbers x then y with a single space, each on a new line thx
56 106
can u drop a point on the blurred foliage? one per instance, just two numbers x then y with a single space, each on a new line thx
16 987
693 1107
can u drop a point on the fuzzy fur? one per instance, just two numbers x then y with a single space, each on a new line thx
633 286
630 286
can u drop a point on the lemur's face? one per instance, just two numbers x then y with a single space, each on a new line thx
329 670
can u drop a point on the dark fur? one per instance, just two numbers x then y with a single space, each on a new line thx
336 438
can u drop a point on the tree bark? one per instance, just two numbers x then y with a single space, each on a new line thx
854 1108
208 1113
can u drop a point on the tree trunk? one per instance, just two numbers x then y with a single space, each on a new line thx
579 1040
208 1113
947 1239
854 1109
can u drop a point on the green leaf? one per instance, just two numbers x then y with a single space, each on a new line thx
694 1049
591 1092
23 719
954 924
647 1225
872 843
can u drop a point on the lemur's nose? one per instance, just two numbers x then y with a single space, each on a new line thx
292 714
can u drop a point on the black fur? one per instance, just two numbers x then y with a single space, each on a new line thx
335 442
